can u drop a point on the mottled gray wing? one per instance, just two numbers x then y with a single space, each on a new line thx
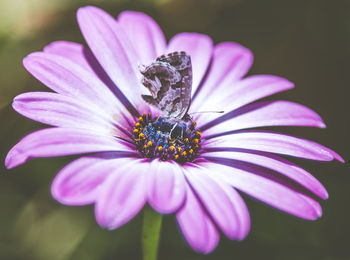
169 79
158 79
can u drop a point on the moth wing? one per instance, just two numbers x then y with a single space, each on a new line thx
157 78
181 61
169 79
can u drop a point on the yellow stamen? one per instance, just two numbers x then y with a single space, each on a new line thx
180 148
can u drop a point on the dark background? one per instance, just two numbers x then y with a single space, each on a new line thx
307 42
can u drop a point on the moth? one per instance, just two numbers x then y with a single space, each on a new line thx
169 80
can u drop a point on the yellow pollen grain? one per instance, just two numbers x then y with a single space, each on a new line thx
186 140
198 133
176 157
160 148
196 141
184 153
145 146
141 136
149 143
136 131
172 148
137 125
191 151
179 149
140 119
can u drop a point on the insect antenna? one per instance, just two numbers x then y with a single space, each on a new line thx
202 112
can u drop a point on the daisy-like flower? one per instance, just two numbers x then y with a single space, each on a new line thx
132 157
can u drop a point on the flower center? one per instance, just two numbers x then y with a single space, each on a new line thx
166 138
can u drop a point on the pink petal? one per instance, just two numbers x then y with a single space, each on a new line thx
199 47
197 228
269 113
58 110
166 186
335 155
112 48
70 50
52 142
268 191
145 34
222 208
288 169
239 94
243 218
313 203
79 182
274 143
241 210
122 195
83 57
230 62
70 79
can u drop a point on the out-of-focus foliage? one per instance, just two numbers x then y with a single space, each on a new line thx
307 42
50 235
22 18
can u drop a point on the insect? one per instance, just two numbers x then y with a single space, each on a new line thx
169 80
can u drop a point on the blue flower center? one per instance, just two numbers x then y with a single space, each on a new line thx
166 138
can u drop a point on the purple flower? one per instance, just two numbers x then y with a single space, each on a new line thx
96 109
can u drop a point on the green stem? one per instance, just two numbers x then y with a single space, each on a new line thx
152 224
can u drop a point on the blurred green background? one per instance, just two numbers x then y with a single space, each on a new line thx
306 41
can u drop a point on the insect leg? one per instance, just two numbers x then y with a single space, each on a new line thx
172 129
